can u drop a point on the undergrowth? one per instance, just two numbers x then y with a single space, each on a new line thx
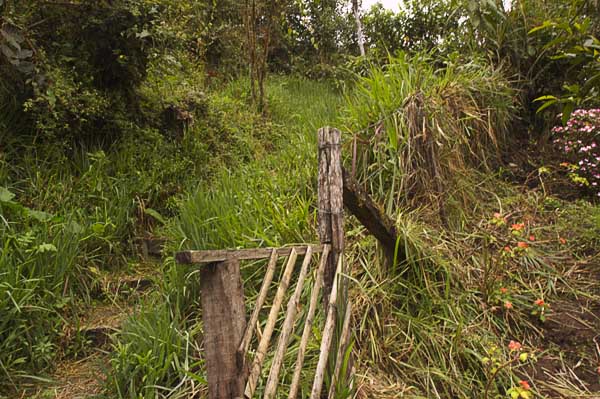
268 202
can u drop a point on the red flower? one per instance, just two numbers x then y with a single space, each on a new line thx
507 249
532 238
508 305
539 302
525 385
514 346
503 290
562 241
518 226
522 244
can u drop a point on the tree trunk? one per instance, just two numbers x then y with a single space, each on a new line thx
359 29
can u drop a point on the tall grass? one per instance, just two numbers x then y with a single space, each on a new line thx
267 202
39 275
422 125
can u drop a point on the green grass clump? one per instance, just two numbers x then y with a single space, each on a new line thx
154 357
423 125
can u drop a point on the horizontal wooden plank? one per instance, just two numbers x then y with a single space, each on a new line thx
197 257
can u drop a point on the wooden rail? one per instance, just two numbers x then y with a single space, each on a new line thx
216 256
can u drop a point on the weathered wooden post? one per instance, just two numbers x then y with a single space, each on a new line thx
224 319
331 201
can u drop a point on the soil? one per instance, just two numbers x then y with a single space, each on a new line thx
571 345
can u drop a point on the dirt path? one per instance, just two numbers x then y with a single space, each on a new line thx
570 367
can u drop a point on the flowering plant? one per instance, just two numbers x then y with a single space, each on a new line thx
497 360
540 308
579 140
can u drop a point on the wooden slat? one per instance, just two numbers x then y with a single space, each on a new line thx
262 296
344 338
328 332
314 300
193 257
286 330
270 326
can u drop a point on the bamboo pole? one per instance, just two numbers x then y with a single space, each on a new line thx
314 299
328 332
270 326
286 331
341 350
262 296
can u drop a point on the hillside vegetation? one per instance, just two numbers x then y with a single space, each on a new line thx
191 124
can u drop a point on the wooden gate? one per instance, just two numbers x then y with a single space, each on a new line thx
234 366
231 371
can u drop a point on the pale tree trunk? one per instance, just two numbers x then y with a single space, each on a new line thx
359 30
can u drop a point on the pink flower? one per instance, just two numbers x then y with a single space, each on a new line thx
525 385
514 346
518 226
539 302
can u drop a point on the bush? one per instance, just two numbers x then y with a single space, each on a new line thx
579 142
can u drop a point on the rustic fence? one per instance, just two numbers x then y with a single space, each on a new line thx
228 337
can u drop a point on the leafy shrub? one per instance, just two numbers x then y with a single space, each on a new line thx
577 51
579 142
74 68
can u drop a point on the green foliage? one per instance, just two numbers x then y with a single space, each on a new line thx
419 26
269 201
579 51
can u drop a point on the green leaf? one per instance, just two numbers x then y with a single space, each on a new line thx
567 110
155 215
98 228
39 215
544 98
545 25
5 195
546 105
46 247
74 227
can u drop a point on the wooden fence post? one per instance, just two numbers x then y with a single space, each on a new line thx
224 318
330 201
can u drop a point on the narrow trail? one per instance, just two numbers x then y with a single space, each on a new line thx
83 375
